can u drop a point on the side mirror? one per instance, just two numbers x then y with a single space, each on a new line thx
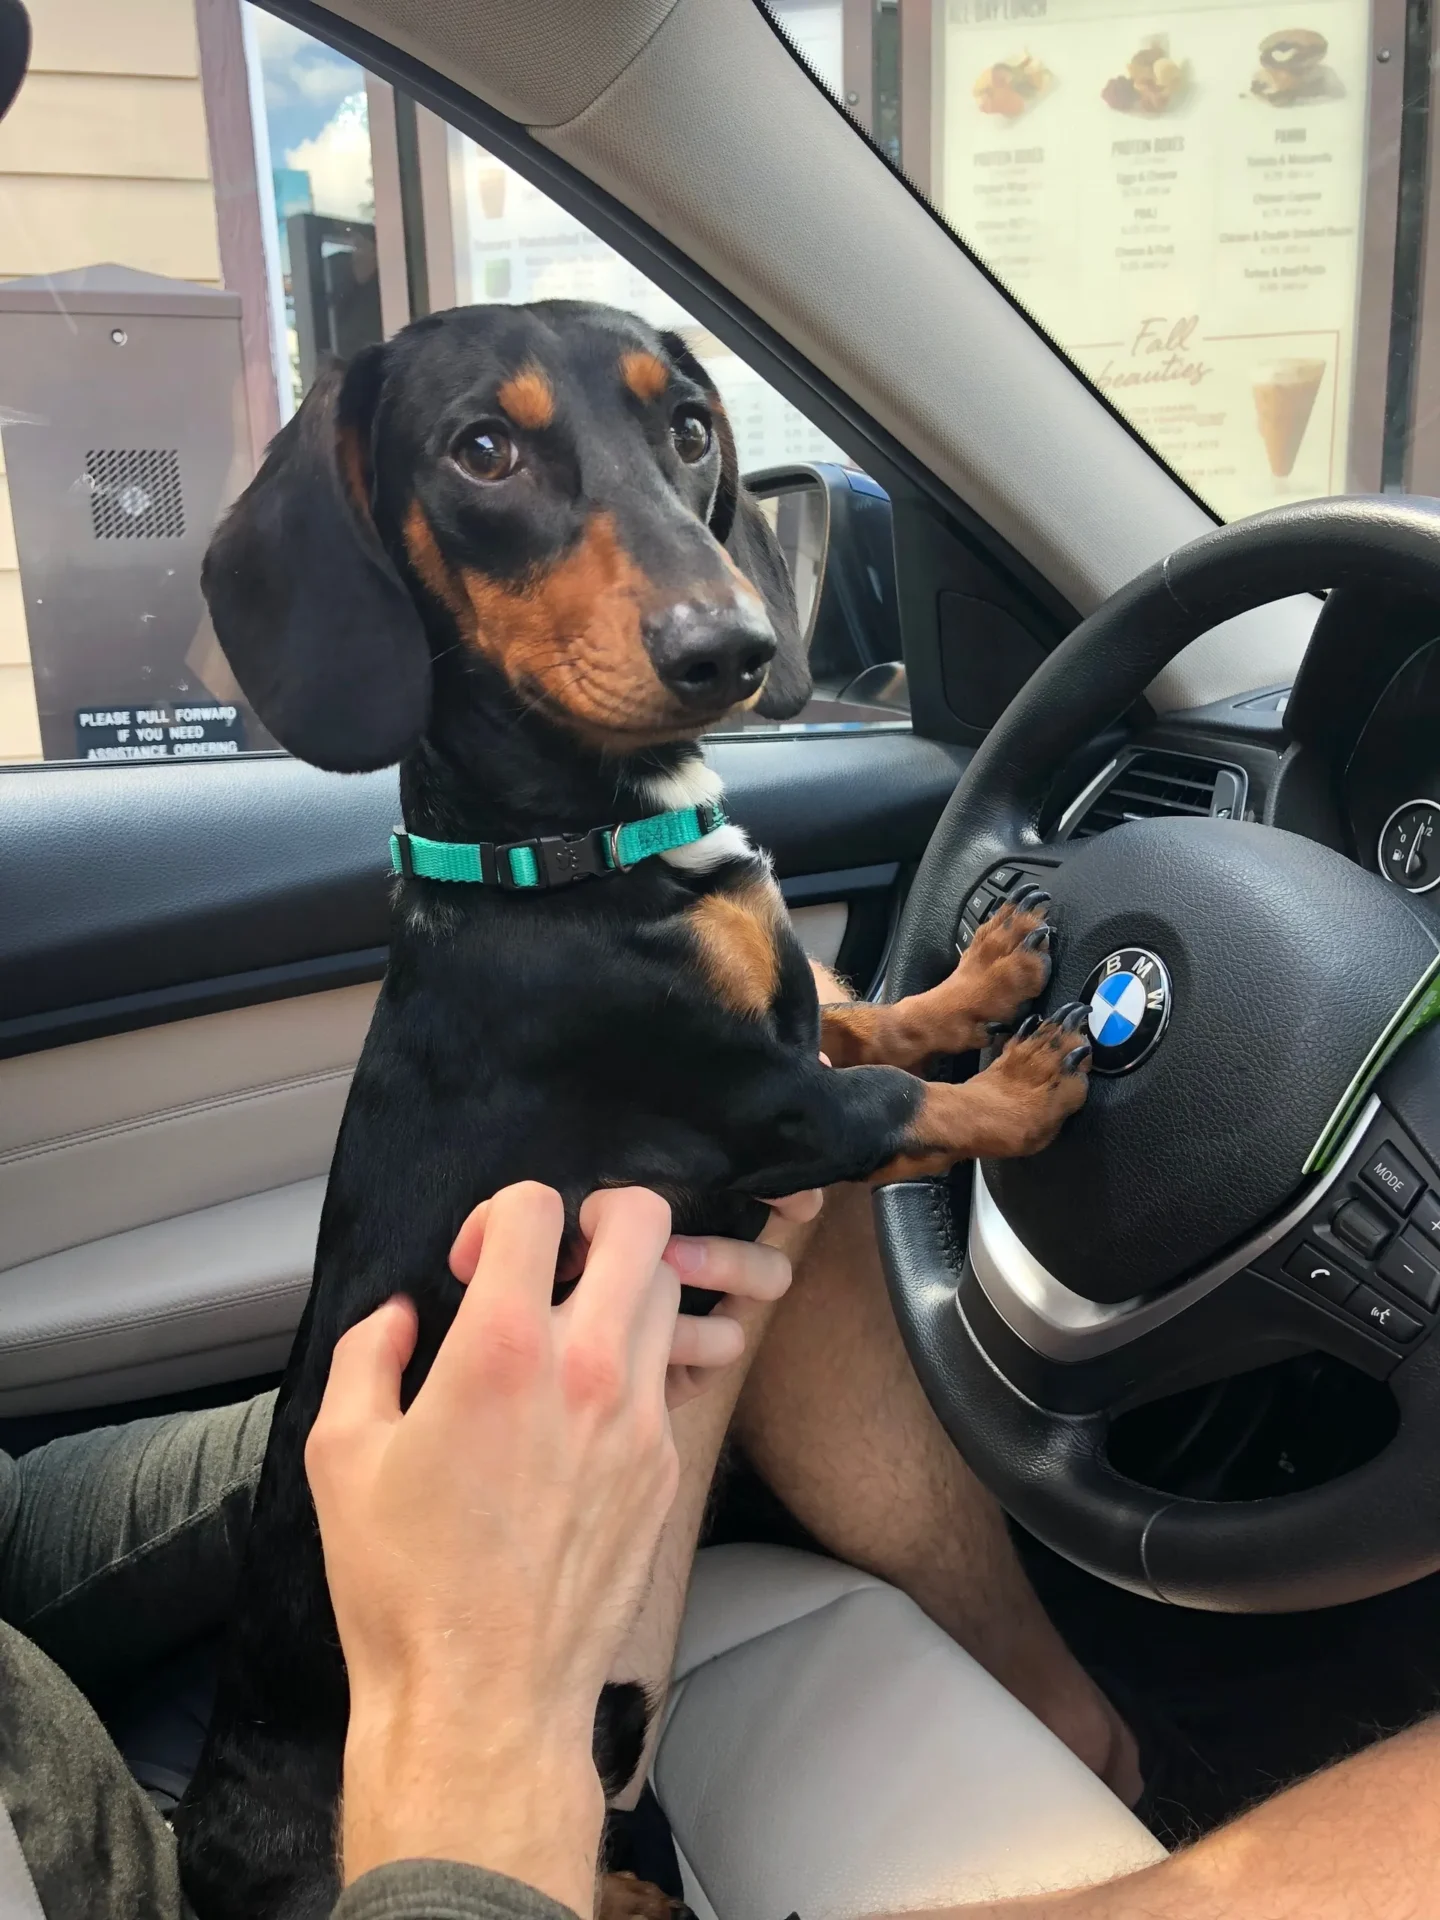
834 527
14 51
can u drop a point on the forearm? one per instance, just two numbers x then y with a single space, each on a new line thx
425 1780
1363 1837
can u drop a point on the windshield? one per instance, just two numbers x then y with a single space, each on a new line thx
1217 210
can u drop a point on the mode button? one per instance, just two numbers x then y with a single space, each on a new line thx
1393 1177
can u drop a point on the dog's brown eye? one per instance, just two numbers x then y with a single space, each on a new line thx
690 434
486 453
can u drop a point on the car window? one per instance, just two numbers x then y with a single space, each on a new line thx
198 204
1216 208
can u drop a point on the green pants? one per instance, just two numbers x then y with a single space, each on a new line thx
117 1548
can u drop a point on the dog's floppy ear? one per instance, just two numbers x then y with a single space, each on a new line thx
746 535
322 635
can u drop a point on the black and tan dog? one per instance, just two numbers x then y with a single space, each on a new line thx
510 551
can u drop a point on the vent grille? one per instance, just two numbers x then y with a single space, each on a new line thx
1156 786
135 493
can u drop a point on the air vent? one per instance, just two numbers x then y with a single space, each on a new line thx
1156 786
135 493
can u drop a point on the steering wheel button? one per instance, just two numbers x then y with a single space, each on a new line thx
1426 1218
1307 1264
1410 1270
979 903
1368 1305
1361 1227
1392 1176
1003 878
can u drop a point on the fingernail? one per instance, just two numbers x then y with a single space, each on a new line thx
686 1256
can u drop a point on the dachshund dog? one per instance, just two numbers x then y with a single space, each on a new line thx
509 550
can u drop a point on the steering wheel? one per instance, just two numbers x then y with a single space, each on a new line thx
1186 1226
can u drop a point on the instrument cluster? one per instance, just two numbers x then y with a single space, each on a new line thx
1392 785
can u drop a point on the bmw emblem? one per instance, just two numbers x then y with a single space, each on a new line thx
1128 995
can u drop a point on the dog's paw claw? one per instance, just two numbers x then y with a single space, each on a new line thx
1039 940
1027 898
1077 1058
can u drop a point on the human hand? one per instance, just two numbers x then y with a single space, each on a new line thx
488 1549
749 1275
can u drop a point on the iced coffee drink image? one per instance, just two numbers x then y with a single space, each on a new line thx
1285 393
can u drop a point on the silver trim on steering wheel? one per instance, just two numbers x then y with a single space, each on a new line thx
1061 1324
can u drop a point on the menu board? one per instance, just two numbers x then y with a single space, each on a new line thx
1176 194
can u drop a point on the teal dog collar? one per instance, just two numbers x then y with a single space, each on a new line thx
555 859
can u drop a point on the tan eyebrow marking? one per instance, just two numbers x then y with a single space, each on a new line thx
528 397
645 374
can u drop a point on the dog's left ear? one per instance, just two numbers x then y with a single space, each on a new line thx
746 535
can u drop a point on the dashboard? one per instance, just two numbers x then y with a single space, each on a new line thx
1392 784
1365 780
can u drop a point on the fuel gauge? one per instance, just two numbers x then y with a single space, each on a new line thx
1410 846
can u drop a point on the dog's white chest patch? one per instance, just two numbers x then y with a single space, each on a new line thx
693 784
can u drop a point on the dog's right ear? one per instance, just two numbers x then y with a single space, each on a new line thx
322 634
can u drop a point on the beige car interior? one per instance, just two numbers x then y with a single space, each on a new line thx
827 1749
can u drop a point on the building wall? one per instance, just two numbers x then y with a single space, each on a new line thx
103 158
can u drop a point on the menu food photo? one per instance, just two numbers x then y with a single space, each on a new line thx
1177 196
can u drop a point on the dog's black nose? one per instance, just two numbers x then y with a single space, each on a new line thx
710 657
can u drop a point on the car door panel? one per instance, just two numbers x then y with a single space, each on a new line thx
187 970
208 1296
110 1134
140 894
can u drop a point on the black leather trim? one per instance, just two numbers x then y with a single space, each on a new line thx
139 894
128 1012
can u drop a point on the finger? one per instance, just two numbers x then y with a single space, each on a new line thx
503 1318
653 1340
742 1267
465 1254
799 1207
622 1314
365 1373
627 1229
714 1341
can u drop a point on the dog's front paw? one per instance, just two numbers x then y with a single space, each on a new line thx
1042 1076
1006 966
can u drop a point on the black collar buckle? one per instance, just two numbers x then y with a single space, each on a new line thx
560 860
